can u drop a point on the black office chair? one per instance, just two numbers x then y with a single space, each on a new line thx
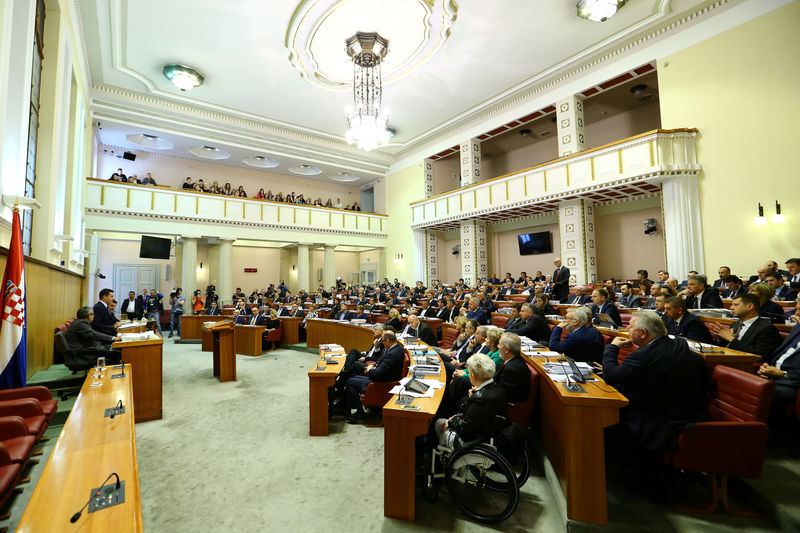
64 349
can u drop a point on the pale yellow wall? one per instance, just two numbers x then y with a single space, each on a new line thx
740 90
504 251
127 253
402 188
622 246
266 260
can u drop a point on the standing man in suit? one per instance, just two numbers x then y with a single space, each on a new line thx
699 295
684 324
389 368
734 287
782 292
87 343
583 341
102 320
601 305
750 333
723 272
664 381
132 307
560 287
784 369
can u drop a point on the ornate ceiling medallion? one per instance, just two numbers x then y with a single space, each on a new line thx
416 29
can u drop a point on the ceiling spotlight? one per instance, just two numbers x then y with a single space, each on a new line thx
150 141
260 161
183 77
209 152
306 170
343 176
598 10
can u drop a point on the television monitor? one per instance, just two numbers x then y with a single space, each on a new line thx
154 247
535 243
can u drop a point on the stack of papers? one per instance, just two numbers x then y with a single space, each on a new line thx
558 372
542 353
129 337
330 347
432 384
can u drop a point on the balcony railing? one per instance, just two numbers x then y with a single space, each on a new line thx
116 198
627 168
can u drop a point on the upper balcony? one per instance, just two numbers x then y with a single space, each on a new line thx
106 197
627 168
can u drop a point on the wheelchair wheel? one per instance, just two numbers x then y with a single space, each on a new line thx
482 484
522 467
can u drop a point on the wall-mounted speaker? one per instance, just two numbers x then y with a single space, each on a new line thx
168 272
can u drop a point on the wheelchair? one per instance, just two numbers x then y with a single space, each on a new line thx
483 478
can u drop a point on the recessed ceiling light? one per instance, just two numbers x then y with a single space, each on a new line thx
598 10
149 141
306 170
209 152
260 161
183 77
343 176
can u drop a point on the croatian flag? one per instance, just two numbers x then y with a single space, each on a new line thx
13 356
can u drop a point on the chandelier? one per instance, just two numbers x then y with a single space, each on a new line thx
367 121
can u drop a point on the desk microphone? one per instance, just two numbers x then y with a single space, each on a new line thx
111 416
77 516
560 361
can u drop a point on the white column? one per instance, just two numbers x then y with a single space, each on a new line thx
382 263
569 124
329 267
189 267
683 232
302 267
427 166
419 256
474 262
223 268
177 274
91 269
470 162
431 257
578 245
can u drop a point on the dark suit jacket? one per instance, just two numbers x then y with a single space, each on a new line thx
480 315
761 338
786 294
710 299
666 384
583 344
690 327
790 365
560 289
478 413
261 320
214 312
430 312
425 334
451 314
394 323
507 292
134 309
343 315
634 300
535 328
514 377
772 311
734 293
390 365
574 299
609 309
82 336
103 319
241 319
299 313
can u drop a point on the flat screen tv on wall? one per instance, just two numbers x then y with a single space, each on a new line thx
154 247
535 243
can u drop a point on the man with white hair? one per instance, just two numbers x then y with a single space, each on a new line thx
583 341
580 297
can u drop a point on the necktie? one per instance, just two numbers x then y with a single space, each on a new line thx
558 273
696 303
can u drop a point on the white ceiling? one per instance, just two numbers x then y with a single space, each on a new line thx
255 101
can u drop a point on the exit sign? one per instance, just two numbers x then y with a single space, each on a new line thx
251 270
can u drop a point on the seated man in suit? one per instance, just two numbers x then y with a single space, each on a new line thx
734 287
388 368
131 307
514 376
627 297
583 341
421 330
427 311
355 364
782 292
297 311
87 343
665 383
239 318
793 268
723 272
214 310
258 318
580 297
515 319
792 316
750 333
699 295
649 300
509 289
486 303
784 369
760 276
475 311
103 321
601 305
681 323
533 325
343 314
358 314
494 280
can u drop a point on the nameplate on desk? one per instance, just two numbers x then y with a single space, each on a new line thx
114 411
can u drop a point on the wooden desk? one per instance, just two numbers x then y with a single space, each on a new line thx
224 358
318 382
349 336
146 359
434 323
572 426
248 339
89 448
290 329
207 341
192 325
401 427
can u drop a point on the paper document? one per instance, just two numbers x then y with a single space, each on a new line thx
129 337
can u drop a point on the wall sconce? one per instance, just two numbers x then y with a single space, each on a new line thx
201 266
778 218
760 219
294 268
398 258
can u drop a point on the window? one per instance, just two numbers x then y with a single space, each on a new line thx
33 124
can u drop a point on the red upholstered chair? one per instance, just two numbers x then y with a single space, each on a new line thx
10 473
14 435
42 394
380 319
274 337
734 443
377 393
500 320
521 413
31 412
449 336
